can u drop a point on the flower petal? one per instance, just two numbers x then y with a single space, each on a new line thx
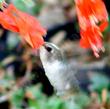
27 26
93 19
7 22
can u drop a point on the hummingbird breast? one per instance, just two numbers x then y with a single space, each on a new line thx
60 77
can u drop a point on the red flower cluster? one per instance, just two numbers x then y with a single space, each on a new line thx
27 26
93 19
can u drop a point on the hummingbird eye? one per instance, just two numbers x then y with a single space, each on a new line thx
49 49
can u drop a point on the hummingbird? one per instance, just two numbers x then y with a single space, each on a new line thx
57 70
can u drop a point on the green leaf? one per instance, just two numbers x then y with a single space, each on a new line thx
17 98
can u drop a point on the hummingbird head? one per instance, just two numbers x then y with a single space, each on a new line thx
49 52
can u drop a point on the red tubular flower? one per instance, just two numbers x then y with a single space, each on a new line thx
27 26
93 19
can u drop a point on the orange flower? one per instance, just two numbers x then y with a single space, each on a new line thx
27 26
93 19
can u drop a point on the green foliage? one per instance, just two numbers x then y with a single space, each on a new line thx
1 1
29 6
108 97
82 100
41 101
17 98
99 82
